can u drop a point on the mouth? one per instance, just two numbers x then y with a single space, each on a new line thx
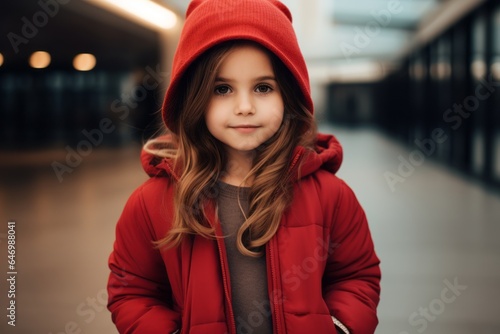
245 128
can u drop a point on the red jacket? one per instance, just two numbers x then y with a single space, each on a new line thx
321 261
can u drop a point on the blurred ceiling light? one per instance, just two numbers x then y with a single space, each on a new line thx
478 69
147 11
1 59
84 62
40 59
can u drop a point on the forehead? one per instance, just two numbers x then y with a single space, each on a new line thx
246 59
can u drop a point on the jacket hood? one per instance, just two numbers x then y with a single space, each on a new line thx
327 155
212 22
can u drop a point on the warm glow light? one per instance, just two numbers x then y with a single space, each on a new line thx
495 70
148 11
478 69
1 59
84 62
40 59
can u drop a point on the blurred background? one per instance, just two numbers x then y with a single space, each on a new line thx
410 87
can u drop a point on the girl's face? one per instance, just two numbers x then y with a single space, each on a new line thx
246 107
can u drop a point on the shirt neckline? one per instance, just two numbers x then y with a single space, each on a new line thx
230 191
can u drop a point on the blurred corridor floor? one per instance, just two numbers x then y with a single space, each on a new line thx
437 234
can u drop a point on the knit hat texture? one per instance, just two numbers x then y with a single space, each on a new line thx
211 22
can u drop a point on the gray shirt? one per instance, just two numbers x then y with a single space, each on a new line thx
248 275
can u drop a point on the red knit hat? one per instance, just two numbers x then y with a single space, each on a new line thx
211 22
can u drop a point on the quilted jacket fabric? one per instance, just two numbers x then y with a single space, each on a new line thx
320 263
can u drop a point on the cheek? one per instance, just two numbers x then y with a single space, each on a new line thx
276 121
277 116
211 117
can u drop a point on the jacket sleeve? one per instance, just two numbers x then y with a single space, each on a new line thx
352 275
138 287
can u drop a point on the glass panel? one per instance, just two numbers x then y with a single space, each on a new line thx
496 159
495 72
471 104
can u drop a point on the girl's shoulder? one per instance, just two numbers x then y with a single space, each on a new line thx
323 180
153 191
148 210
329 190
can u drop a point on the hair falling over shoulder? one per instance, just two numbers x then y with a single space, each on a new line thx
200 158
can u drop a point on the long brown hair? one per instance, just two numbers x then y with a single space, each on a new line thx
201 158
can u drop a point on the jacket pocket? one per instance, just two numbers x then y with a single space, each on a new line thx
340 325
309 323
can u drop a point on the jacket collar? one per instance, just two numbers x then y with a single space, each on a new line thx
327 155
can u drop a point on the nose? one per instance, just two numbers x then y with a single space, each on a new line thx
244 105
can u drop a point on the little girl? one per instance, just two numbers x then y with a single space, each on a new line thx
243 226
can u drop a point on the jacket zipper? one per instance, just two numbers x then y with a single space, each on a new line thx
218 233
295 160
274 289
226 289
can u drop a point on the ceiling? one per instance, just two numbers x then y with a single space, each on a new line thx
78 27
342 40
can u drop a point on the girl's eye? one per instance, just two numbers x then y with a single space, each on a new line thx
222 90
264 89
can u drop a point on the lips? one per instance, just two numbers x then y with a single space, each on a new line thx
244 126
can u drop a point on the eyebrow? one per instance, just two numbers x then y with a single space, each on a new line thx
262 78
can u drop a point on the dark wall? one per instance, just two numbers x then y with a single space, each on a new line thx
351 104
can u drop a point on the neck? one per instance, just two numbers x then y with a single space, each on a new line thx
238 166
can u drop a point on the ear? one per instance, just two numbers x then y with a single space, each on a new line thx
192 6
284 9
